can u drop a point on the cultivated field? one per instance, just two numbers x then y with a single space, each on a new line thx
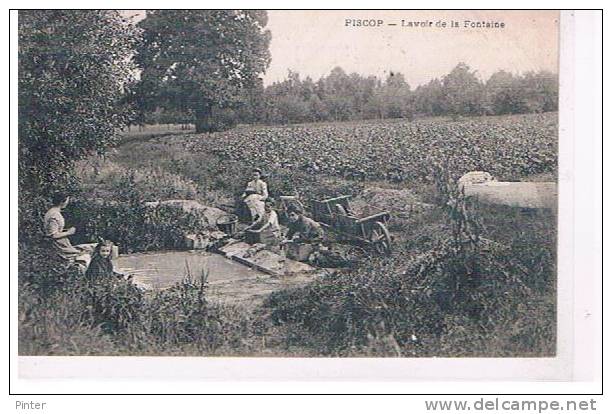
509 147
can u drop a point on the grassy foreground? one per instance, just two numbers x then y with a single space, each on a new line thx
463 280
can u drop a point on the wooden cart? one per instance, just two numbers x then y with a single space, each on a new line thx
336 214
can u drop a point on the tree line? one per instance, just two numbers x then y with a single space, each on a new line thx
340 97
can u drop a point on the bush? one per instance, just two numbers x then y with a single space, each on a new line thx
308 186
182 315
134 226
53 325
42 271
113 304
104 179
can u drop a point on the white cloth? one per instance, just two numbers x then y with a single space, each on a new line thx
54 222
256 206
272 224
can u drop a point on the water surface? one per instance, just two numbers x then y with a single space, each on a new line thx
228 281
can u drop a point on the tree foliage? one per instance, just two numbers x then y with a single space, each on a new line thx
73 67
463 92
201 61
532 92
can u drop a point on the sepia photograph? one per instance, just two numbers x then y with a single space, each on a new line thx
288 183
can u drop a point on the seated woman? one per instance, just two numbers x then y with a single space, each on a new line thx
255 191
54 230
255 205
101 265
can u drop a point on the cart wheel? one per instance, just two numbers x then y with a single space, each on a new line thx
380 238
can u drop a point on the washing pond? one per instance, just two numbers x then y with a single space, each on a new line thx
228 281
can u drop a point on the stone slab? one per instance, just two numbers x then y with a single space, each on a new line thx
257 257
535 195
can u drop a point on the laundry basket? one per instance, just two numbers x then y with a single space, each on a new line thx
227 224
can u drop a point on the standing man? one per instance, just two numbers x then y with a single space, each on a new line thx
255 193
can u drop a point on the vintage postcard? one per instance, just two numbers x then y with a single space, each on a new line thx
291 184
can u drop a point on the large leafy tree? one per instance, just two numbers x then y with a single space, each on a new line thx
201 61
73 68
463 92
540 91
503 93
396 97
531 92
429 98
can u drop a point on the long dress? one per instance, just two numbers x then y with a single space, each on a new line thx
53 224
255 201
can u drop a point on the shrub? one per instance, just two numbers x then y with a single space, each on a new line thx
113 304
152 185
134 226
52 313
181 315
42 270
53 325
110 316
103 179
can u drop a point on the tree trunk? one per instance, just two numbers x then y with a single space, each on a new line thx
200 125
202 120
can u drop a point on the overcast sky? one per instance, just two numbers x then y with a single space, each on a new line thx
314 42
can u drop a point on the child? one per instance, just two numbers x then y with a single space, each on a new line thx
101 265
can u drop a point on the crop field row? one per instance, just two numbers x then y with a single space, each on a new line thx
509 147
